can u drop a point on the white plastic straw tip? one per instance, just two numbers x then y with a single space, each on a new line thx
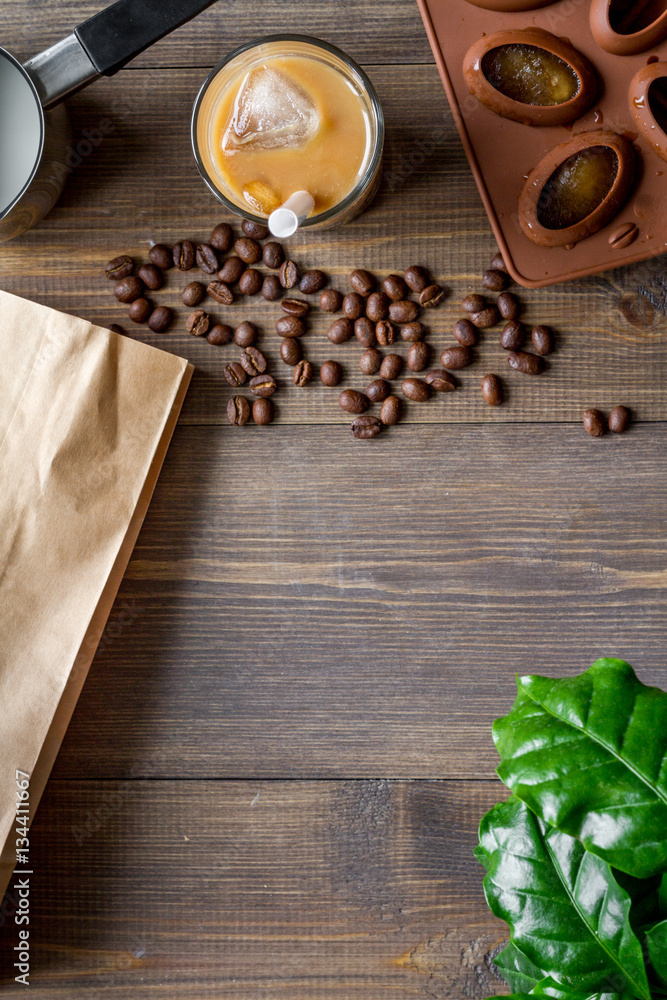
285 221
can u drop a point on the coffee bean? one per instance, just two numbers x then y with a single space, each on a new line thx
140 310
390 412
394 286
354 305
366 427
161 319
262 411
151 276
529 364
492 390
291 351
363 282
497 263
183 255
128 289
465 332
431 296
193 294
364 331
248 250
231 270
594 423
392 366
207 258
330 300
440 380
495 281
271 288
353 401
303 373
238 410
290 326
508 305
456 357
542 339
513 336
412 332
250 282
162 256
263 385
255 230
378 390
405 311
416 278
485 318
418 356
120 330
198 323
221 292
220 334
295 307
340 331
331 373
473 303
119 268
385 332
222 237
234 373
273 254
245 334
619 420
416 389
377 306
370 361
289 274
312 281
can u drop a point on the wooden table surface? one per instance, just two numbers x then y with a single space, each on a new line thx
273 779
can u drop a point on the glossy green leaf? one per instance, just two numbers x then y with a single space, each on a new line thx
662 897
656 943
519 972
548 987
565 911
588 754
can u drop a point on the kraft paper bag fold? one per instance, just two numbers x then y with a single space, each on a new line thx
85 421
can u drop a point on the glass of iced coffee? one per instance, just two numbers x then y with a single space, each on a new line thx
286 114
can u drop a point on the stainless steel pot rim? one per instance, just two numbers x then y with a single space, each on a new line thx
4 54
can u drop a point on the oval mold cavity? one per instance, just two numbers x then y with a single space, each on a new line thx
647 98
577 187
530 75
625 27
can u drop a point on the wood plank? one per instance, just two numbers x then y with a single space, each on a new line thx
306 890
301 603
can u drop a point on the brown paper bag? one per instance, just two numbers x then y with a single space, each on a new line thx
85 421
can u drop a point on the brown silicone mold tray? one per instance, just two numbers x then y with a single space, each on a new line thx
631 103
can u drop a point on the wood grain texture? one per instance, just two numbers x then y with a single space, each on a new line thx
302 603
306 890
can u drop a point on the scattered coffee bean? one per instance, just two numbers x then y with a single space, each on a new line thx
161 255
378 390
151 276
498 264
366 427
594 423
394 286
370 361
262 411
253 361
513 336
492 390
485 318
234 373
117 328
340 331
255 230
128 289
295 307
416 278
161 319
303 373
542 339
353 401
465 332
220 292
440 381
495 281
431 296
220 334
140 310
390 412
289 274
238 410
193 294
245 334
330 300
418 356
456 357
273 254
412 332
290 326
377 306
198 323
508 305
392 366
119 268
405 311
363 282
271 288
473 303
354 305
416 389
364 331
529 364
291 351
250 282
385 332
312 281
222 237
331 373
207 258
184 255
619 420
248 250
231 270
263 385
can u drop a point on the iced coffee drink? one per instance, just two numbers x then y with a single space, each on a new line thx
289 114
